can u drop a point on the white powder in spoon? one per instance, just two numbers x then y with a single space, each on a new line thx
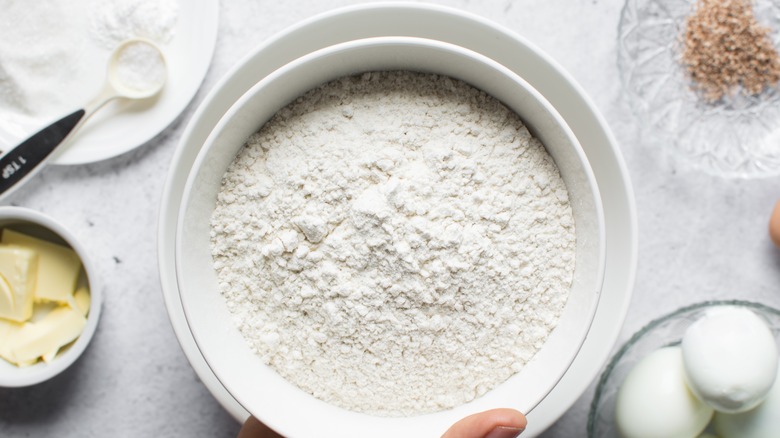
394 243
140 67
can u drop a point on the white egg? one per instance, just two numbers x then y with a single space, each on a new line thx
730 358
653 401
761 422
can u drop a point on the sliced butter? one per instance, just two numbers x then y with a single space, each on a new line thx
19 271
41 309
7 301
8 331
58 266
82 300
59 327
48 357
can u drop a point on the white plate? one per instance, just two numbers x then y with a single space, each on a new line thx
480 35
121 127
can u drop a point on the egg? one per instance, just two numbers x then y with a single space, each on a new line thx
774 224
653 401
761 422
730 358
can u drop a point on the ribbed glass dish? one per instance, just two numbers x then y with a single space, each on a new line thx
662 332
736 137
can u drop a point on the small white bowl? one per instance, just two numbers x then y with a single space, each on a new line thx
256 386
39 225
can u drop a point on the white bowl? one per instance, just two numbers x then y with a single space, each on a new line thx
261 390
39 225
471 31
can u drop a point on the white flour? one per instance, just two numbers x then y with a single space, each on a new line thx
394 243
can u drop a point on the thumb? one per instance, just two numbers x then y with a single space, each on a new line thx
253 428
495 423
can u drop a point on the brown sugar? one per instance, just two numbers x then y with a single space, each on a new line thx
727 51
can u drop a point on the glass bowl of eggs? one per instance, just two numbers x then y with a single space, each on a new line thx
705 370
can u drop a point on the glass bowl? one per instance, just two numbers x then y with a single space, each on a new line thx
662 332
738 136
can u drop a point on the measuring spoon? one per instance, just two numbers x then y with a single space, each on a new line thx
136 70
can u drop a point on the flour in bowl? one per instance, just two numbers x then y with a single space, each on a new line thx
394 243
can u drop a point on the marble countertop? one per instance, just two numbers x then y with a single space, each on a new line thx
700 237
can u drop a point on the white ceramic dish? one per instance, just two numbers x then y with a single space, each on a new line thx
121 127
229 355
487 38
40 225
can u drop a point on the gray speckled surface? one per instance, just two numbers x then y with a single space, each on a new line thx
700 237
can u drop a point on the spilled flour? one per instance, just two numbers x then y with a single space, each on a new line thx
394 243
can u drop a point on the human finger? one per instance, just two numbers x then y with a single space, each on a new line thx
495 423
253 428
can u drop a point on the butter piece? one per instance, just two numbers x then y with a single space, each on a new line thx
41 309
58 266
27 363
82 300
8 330
7 300
48 357
18 269
59 327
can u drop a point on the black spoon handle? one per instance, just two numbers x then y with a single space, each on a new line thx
20 161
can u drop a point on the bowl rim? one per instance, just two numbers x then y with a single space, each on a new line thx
41 372
572 139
